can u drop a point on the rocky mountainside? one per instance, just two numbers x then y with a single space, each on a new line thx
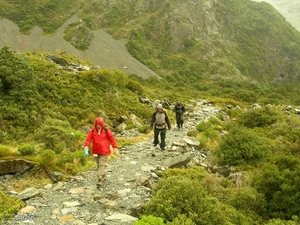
197 39
130 179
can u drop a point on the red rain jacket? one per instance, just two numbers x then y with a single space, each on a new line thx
102 141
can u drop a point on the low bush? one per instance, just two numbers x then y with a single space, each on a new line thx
183 194
5 150
279 181
135 87
261 117
9 206
149 220
26 149
46 163
242 146
72 162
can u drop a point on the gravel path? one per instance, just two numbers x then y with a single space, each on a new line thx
130 181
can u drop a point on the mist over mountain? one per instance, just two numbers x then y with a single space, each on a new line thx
289 9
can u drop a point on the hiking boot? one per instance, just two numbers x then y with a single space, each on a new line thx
164 148
100 180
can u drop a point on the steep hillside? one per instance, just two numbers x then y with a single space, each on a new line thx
104 51
187 42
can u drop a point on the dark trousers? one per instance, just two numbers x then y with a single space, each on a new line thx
179 120
162 133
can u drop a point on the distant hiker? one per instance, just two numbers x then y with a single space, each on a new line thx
179 109
102 138
161 122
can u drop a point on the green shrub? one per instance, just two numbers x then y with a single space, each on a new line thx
72 162
209 136
246 200
261 117
181 220
245 95
149 220
177 196
46 162
192 133
203 126
238 194
5 150
144 129
135 87
242 146
26 149
211 133
213 123
56 134
279 181
9 206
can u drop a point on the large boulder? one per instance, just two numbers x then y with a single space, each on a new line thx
15 166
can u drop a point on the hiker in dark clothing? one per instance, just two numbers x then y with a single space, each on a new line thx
179 109
161 122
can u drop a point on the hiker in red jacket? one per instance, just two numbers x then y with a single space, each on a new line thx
102 138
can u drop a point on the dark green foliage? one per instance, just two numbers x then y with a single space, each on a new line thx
261 117
181 220
48 15
279 181
16 78
73 98
72 162
237 194
246 199
46 163
245 96
182 196
243 146
135 86
55 134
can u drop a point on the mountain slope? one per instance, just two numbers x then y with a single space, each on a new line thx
187 42
104 50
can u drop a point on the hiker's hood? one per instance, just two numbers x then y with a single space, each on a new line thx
99 120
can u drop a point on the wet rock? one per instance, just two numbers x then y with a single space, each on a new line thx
15 166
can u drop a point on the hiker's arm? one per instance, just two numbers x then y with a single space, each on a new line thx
88 139
152 121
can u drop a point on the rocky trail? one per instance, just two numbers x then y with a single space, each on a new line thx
130 179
